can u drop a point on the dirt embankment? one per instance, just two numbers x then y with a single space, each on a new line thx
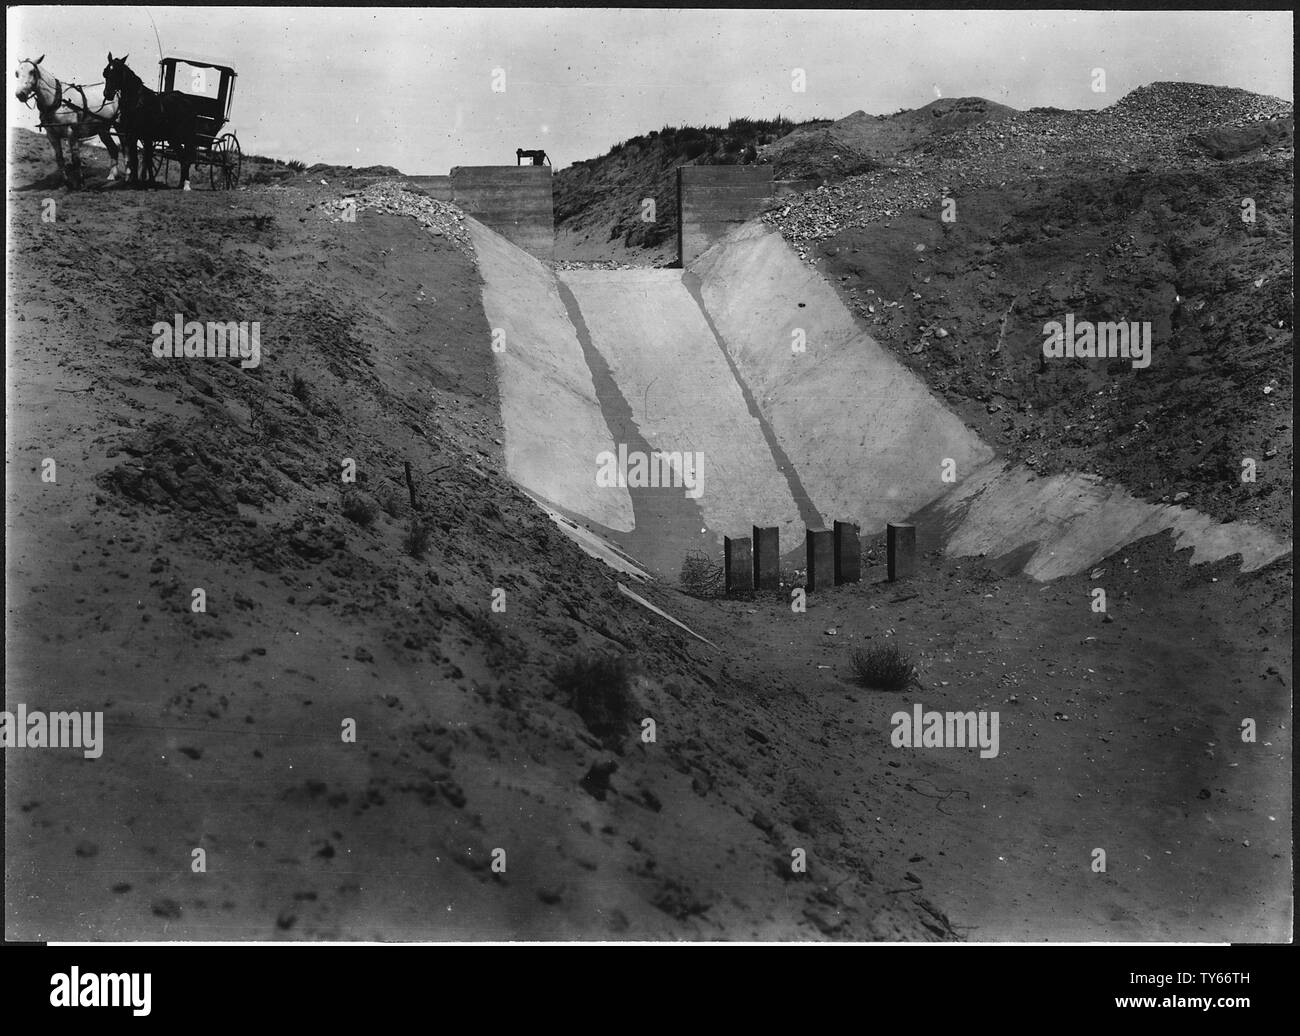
965 305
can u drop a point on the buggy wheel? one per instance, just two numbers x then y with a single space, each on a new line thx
225 163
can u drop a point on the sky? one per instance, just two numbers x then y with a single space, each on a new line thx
414 88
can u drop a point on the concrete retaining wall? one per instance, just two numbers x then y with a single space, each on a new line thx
713 200
515 201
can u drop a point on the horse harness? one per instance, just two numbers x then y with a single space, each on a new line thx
63 102
84 107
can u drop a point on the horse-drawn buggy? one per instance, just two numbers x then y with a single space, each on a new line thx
210 88
184 121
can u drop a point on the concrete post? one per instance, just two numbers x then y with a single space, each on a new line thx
821 558
767 558
900 543
848 553
739 563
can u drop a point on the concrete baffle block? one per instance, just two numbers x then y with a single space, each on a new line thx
739 564
848 553
900 543
767 558
821 559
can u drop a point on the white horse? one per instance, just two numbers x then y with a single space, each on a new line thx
67 114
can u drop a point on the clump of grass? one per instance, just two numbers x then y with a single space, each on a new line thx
416 541
295 165
359 508
701 575
598 688
884 668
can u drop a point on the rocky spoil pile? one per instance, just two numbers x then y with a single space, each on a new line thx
437 217
1154 126
1196 106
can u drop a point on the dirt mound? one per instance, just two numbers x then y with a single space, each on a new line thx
860 142
953 113
346 172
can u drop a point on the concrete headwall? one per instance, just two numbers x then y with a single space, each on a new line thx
515 201
438 187
713 200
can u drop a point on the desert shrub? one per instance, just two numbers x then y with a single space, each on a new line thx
299 388
701 575
598 688
884 668
416 540
359 508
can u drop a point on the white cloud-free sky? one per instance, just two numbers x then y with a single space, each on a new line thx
412 87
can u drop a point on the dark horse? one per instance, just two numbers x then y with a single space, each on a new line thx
147 117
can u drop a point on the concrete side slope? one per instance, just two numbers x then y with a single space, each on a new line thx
554 427
1063 524
673 373
866 436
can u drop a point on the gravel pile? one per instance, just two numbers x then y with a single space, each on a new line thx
1150 127
437 217
1192 106
598 264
